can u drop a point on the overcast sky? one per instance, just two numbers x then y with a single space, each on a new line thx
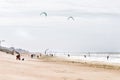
96 26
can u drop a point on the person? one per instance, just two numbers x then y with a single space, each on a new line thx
37 56
84 56
18 57
68 55
13 52
40 54
31 55
107 57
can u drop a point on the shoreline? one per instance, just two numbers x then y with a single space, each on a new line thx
95 64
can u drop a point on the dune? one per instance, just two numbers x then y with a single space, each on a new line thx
47 68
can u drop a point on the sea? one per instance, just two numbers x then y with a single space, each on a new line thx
109 57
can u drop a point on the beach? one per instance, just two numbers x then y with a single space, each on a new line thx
51 69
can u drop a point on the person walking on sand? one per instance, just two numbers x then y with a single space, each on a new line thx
18 57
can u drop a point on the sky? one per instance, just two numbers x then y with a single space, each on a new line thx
96 26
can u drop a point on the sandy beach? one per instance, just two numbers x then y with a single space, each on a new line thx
34 69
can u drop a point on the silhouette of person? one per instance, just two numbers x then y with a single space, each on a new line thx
32 55
68 55
84 56
18 57
107 57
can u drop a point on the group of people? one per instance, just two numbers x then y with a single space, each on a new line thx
18 56
89 55
35 55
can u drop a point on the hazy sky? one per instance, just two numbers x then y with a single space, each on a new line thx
96 26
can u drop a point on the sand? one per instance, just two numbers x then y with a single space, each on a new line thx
34 69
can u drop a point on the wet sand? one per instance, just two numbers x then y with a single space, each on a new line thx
34 69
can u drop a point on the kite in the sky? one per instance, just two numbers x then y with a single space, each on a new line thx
70 18
43 13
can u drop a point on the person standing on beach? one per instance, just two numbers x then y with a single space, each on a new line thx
18 57
13 51
84 56
107 57
68 55
32 55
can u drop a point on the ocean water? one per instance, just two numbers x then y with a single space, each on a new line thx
114 57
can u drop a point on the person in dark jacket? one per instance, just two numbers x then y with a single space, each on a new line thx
18 57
